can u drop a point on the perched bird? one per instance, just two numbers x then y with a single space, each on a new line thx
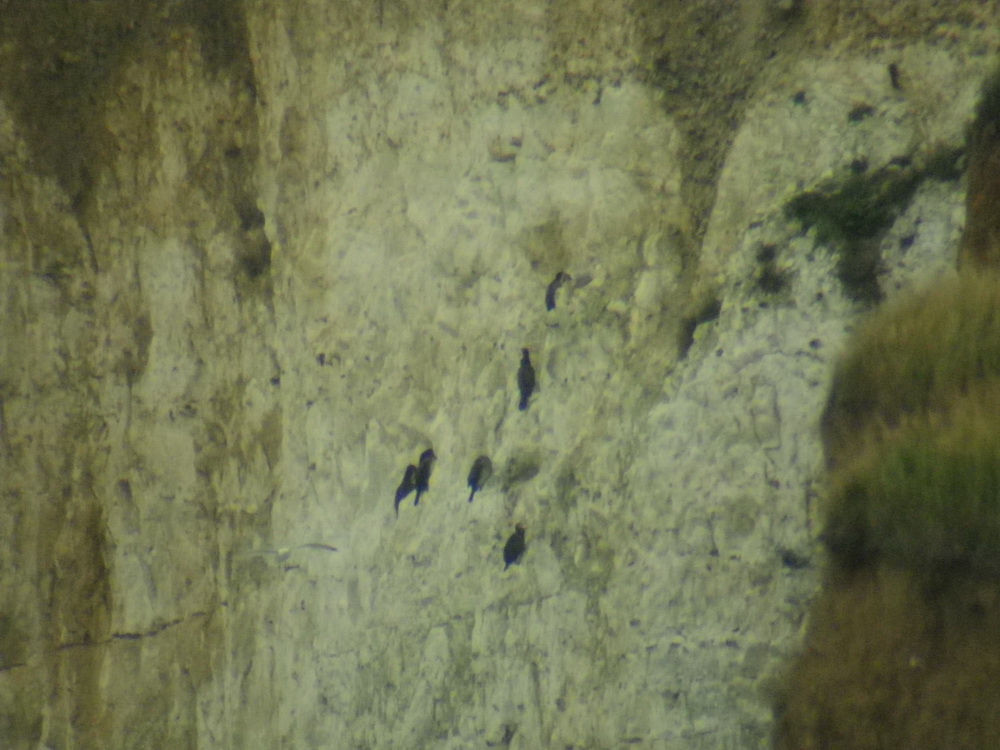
422 478
525 379
514 547
550 293
406 486
482 470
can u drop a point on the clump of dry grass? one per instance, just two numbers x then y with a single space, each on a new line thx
914 357
981 239
926 492
888 665
903 648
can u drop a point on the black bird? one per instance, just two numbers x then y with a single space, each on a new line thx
514 547
423 476
525 379
406 486
550 293
482 470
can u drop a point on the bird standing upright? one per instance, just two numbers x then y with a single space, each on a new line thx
482 470
525 379
423 476
514 547
406 486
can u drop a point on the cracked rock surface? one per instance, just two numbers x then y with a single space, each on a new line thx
292 247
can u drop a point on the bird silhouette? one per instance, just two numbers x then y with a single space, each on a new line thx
422 478
514 547
482 470
406 486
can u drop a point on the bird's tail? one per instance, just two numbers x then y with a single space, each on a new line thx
472 494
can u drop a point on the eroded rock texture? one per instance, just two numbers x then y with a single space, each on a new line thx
257 257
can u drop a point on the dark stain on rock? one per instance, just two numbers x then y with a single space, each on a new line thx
851 215
62 59
705 314
859 112
771 278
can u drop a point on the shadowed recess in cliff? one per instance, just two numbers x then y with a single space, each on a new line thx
59 61
62 59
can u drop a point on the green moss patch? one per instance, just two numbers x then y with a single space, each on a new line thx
852 213
854 209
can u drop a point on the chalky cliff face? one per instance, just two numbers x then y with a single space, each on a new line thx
257 258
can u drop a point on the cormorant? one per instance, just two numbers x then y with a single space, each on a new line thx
525 379
550 293
406 486
423 476
514 547
482 470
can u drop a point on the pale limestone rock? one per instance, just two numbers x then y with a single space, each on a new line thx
201 440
